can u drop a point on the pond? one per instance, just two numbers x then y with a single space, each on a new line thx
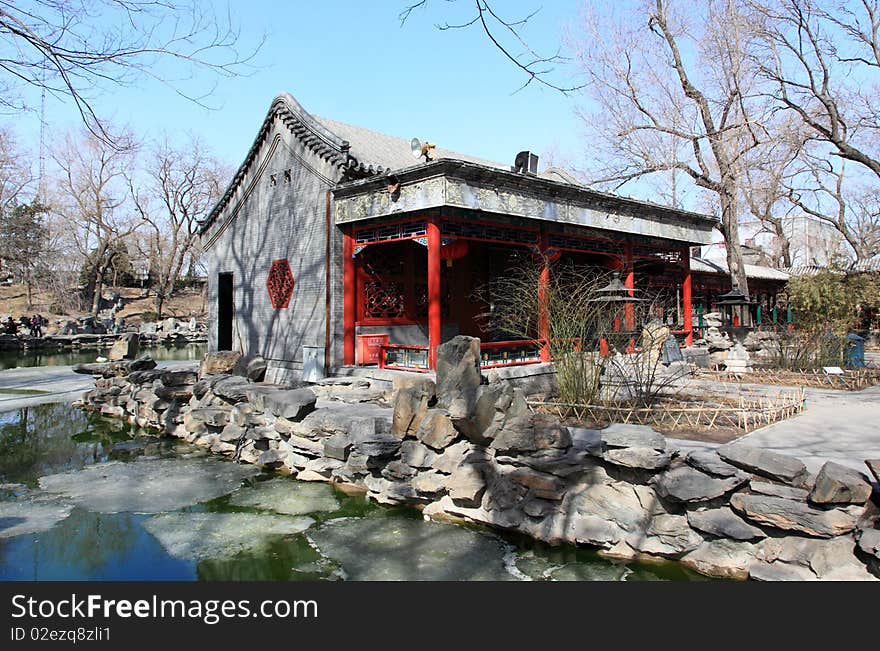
35 357
83 497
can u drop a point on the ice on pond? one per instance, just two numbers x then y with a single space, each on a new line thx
287 496
148 486
200 536
586 571
31 516
556 567
394 549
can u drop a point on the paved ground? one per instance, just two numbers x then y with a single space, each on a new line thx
841 426
23 387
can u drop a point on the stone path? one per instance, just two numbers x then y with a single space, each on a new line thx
841 426
24 387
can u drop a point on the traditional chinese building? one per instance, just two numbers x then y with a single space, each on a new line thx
330 232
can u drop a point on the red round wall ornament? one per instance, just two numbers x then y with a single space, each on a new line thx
280 283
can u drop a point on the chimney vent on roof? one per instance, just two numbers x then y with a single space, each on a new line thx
525 163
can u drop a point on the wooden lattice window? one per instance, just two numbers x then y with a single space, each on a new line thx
387 276
383 300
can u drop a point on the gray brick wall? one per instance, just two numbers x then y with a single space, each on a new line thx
266 222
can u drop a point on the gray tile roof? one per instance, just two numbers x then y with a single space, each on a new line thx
752 270
379 150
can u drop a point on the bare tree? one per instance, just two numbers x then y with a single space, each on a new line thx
182 185
506 36
75 49
15 172
676 92
93 185
828 193
823 60
765 172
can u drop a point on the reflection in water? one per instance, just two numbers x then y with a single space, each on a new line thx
351 538
44 439
91 546
30 358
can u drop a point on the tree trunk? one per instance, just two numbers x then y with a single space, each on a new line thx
99 289
27 281
730 229
160 302
785 247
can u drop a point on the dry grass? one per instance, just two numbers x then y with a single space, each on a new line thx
185 304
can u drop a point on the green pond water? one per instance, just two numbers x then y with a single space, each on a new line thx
83 497
31 358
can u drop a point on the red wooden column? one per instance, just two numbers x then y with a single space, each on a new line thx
629 318
543 309
687 307
349 297
434 319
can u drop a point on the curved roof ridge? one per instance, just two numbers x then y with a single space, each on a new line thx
316 136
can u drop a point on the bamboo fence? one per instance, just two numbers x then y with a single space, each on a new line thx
748 415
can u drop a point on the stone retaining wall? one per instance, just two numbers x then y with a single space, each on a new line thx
465 449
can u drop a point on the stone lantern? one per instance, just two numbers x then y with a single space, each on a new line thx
615 294
736 307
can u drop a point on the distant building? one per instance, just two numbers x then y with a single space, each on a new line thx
812 242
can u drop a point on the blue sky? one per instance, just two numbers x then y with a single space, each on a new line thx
352 61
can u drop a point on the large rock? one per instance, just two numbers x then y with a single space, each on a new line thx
436 429
633 446
779 490
665 535
874 467
637 458
292 404
724 523
838 484
142 363
181 393
253 367
452 457
126 347
230 388
709 462
256 394
794 558
767 464
337 446
430 483
793 516
540 484
215 417
144 377
619 435
179 378
410 406
869 541
466 485
416 454
686 484
219 363
530 433
91 369
495 404
724 559
615 501
458 375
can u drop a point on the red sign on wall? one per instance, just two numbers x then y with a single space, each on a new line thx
280 283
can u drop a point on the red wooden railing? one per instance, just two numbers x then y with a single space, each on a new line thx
493 354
